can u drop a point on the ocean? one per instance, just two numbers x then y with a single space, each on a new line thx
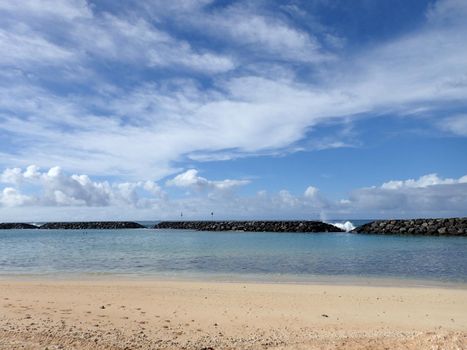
275 257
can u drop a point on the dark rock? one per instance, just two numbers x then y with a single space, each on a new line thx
253 226
16 226
428 227
90 225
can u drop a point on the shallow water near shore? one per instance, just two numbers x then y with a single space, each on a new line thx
230 256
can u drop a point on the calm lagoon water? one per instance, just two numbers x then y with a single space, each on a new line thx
272 256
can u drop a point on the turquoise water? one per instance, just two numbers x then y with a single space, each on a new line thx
172 253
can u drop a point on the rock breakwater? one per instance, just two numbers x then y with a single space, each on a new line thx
16 226
426 227
98 225
253 226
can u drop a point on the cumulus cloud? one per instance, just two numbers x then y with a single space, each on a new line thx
428 195
10 197
56 188
311 192
191 180
313 197
423 182
11 175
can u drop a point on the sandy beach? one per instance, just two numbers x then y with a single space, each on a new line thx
131 314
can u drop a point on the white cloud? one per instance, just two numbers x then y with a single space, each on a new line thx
312 197
190 179
139 41
247 26
265 35
70 9
456 124
32 172
422 182
311 192
9 197
428 195
30 36
139 130
11 176
448 11
55 188
26 48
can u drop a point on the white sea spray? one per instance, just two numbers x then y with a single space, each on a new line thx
346 226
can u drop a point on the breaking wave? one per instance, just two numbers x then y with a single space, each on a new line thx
346 226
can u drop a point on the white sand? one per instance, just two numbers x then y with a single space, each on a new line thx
118 314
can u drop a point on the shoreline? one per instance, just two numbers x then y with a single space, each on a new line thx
357 281
119 314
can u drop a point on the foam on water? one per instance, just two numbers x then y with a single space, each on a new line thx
346 226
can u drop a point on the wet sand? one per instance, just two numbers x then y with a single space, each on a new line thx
131 314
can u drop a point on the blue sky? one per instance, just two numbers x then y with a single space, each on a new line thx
252 109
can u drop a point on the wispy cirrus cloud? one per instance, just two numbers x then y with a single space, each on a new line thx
456 124
125 94
248 28
74 32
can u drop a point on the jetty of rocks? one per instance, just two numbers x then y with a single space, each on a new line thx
426 227
254 226
91 225
16 226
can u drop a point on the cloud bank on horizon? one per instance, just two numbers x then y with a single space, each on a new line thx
294 109
96 200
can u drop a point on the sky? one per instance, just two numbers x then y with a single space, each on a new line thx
318 109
